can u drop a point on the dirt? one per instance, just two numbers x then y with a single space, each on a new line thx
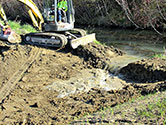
127 113
146 70
11 57
60 85
50 79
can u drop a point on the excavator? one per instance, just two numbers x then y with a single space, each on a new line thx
52 33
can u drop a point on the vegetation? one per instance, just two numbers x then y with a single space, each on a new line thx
124 13
98 42
161 55
155 110
20 29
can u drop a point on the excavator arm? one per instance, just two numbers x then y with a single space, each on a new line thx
34 13
2 14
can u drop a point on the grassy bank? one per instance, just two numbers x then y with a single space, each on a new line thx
149 109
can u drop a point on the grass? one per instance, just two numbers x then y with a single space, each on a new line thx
155 110
20 29
162 56
97 42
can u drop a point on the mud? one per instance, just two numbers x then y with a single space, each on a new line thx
60 85
146 70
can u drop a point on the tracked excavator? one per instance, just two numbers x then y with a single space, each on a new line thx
52 33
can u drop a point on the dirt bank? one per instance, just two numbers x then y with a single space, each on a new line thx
51 87
34 80
147 70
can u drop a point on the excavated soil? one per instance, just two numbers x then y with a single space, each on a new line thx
60 85
42 94
146 70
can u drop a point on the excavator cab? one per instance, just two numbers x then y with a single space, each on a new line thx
50 15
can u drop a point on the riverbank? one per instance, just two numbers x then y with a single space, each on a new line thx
52 87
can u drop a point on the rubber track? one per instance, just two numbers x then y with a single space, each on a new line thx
10 85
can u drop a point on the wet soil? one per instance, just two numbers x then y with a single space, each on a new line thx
146 70
63 84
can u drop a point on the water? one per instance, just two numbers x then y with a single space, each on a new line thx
136 44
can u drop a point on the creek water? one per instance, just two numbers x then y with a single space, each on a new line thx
136 44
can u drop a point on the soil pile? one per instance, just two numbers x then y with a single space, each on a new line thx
58 86
40 95
147 70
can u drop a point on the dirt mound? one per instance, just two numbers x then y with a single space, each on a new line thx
147 70
98 56
61 85
40 93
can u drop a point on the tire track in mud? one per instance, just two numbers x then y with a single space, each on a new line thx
9 86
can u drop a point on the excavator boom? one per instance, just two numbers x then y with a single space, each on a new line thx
2 14
34 13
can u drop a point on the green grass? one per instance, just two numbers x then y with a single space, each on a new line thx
162 56
97 42
155 110
21 29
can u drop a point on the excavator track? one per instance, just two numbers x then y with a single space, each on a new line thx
46 39
10 85
75 37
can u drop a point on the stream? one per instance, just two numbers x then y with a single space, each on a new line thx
136 44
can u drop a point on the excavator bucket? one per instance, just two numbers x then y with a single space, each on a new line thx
14 38
82 40
11 37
